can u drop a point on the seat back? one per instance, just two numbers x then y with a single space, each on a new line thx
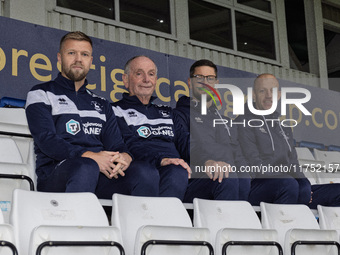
31 209
306 160
9 151
13 120
129 213
312 145
304 153
332 165
283 217
6 234
329 217
75 234
11 163
334 148
13 124
216 215
233 221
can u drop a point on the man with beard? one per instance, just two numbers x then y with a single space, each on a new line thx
77 141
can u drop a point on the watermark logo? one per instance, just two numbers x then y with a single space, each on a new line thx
204 97
238 99
238 105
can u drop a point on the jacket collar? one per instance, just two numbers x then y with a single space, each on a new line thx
69 84
135 100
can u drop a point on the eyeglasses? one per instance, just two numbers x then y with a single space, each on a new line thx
200 78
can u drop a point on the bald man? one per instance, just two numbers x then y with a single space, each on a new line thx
270 147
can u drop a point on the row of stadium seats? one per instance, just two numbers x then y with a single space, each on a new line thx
318 146
75 223
320 167
17 157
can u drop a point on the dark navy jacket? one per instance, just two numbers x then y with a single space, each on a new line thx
270 144
148 130
65 123
219 143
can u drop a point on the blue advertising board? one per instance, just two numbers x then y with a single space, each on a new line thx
28 56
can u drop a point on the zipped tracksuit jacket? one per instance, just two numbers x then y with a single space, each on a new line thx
148 130
205 142
277 177
64 124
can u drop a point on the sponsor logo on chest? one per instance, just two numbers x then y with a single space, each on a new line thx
145 132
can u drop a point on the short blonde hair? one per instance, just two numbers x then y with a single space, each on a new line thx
76 35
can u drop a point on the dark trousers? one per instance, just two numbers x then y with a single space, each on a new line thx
232 188
281 190
325 194
83 175
173 181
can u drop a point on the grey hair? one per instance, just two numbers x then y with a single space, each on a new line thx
128 63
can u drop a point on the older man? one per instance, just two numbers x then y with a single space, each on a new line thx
148 129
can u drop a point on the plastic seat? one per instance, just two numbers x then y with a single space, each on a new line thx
14 173
332 165
7 243
298 229
11 102
13 124
236 223
153 225
39 217
329 217
334 148
312 145
310 165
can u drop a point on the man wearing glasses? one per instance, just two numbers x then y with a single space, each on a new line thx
213 152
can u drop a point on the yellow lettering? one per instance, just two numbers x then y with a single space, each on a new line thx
181 92
15 55
34 65
331 127
291 114
118 86
158 92
317 124
2 59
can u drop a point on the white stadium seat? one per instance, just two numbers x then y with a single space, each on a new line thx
17 158
235 223
329 217
157 225
13 121
298 230
309 164
38 217
332 165
14 173
7 242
